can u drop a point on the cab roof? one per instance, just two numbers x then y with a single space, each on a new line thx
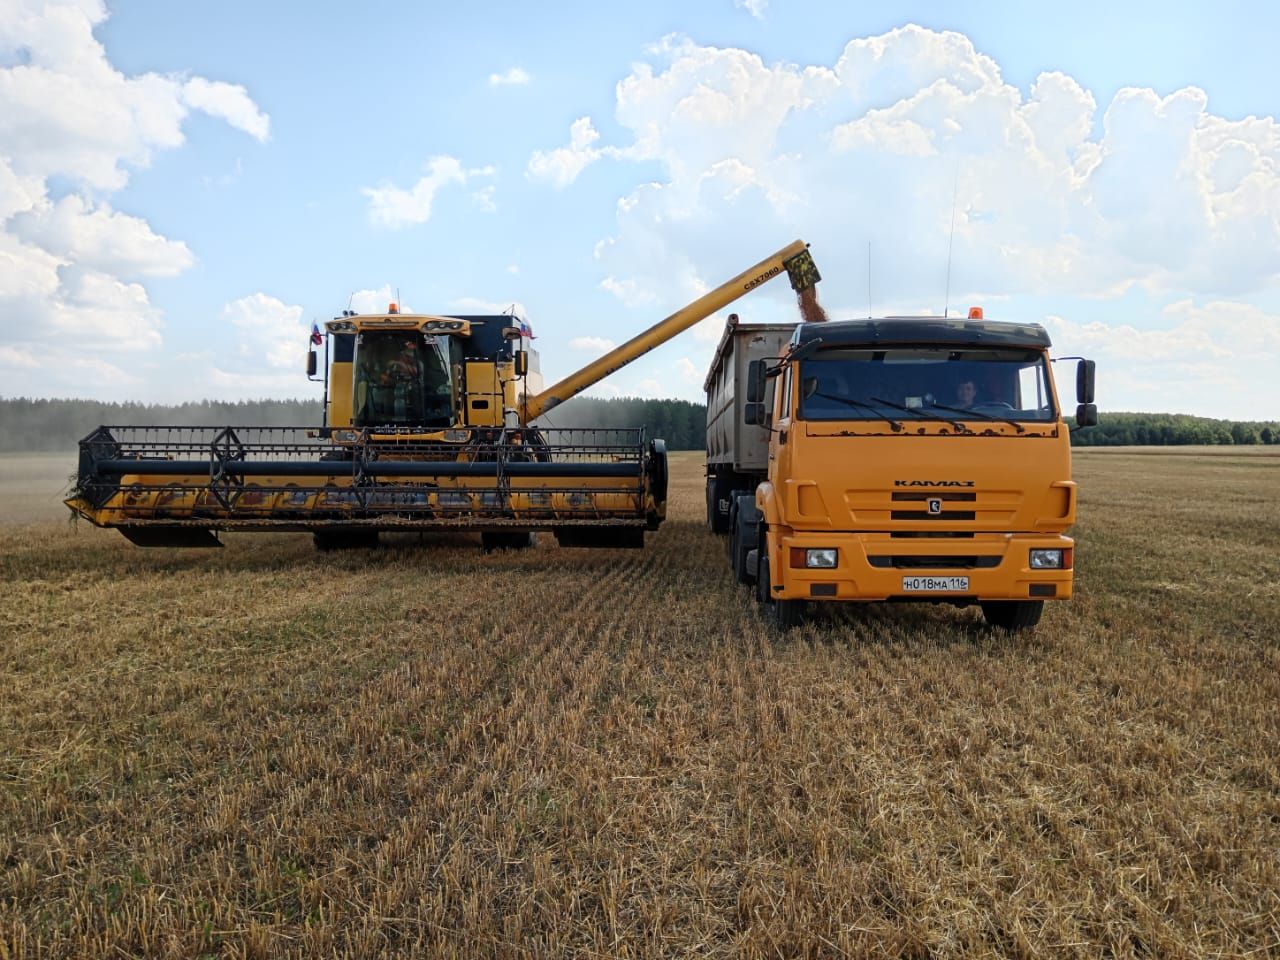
923 330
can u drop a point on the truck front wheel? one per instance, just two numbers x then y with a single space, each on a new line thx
782 615
1013 615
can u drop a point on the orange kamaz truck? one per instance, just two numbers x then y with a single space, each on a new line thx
900 458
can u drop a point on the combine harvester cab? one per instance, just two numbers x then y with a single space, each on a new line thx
429 425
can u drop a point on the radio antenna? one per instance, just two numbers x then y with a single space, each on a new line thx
955 192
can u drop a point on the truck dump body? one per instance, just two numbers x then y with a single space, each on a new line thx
731 443
737 452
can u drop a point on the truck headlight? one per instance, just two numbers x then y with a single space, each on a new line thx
822 557
1046 559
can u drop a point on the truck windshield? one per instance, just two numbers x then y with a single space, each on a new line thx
401 380
937 383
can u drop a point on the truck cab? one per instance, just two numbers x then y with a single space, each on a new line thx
910 458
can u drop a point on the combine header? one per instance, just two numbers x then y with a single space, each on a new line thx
429 424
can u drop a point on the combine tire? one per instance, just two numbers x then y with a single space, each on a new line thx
1013 615
345 539
782 615
505 541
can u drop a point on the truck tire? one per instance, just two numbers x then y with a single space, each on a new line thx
1013 615
743 534
782 615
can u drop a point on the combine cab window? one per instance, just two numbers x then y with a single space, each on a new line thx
402 380
939 382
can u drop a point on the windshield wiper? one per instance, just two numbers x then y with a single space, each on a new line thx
860 404
922 414
981 416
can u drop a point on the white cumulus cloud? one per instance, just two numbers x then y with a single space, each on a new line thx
391 206
562 165
70 263
1222 353
272 333
514 77
599 345
1054 193
689 371
77 231
377 299
229 101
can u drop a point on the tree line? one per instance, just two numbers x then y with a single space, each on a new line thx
31 425
34 425
1172 429
682 424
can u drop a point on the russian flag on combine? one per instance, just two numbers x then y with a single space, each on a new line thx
315 334
526 330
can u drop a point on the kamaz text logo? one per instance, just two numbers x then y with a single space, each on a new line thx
933 483
768 274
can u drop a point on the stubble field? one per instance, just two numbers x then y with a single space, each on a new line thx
426 751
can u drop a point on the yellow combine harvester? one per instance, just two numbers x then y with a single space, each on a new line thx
429 425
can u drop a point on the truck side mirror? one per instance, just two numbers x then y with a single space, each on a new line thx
311 363
755 381
1087 415
521 358
1084 382
753 414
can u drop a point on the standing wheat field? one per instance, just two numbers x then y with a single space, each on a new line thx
427 751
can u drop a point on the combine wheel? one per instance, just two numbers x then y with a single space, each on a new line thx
1013 615
345 539
492 541
782 615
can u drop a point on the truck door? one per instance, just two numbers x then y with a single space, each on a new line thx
781 421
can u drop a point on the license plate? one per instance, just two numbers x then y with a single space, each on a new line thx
934 584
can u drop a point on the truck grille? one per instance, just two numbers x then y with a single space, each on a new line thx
925 562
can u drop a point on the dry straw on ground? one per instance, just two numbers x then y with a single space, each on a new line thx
425 751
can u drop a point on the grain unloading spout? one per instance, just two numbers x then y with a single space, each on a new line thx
794 259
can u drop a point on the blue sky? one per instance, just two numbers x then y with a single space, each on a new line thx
185 187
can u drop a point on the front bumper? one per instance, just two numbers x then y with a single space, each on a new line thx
872 566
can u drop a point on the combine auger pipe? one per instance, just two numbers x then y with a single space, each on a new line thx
793 259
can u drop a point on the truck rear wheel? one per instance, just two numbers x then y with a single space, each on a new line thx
1013 615
717 490
742 539
782 615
